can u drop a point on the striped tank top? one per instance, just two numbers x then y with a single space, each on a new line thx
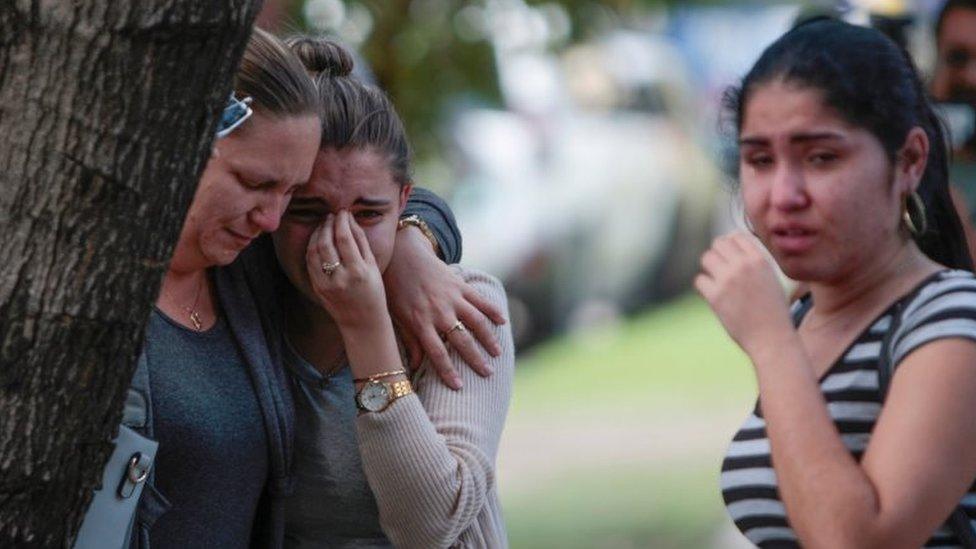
944 306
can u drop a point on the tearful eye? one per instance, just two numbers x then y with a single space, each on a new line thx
822 158
759 160
367 215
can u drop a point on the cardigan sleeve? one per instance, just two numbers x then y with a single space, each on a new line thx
430 457
440 219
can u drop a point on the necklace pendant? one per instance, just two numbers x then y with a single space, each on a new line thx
195 319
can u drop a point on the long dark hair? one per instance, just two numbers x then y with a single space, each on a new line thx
872 83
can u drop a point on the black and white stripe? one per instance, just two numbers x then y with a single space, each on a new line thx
943 307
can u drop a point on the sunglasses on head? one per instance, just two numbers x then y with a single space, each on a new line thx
235 113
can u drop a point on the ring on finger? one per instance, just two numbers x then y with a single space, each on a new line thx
330 268
458 327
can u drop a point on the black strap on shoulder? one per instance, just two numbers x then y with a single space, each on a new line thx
801 309
887 355
958 520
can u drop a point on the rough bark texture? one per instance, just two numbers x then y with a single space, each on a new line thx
107 112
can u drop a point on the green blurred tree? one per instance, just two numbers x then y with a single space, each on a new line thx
422 52
430 55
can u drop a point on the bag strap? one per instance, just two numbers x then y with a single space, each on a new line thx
958 520
152 504
139 399
801 309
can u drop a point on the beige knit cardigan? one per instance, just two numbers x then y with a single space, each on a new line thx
430 456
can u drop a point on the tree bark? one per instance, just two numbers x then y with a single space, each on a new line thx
107 116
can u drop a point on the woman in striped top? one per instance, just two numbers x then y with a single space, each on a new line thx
843 177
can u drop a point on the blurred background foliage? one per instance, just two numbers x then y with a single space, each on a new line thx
431 55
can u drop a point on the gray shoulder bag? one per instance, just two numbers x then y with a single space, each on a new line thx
110 518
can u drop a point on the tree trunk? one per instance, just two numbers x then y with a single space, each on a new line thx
107 114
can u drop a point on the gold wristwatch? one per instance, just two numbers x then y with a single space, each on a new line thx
376 396
414 220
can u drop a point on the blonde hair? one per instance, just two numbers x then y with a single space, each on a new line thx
275 78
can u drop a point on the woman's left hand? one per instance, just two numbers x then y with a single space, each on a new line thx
740 285
344 273
427 298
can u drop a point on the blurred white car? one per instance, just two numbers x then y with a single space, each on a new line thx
590 196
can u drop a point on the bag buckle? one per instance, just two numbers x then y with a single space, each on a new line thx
136 472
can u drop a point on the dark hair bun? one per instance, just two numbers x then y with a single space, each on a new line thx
321 55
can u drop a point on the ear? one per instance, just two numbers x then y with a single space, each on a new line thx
404 196
911 161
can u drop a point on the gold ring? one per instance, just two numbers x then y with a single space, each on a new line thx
330 268
458 327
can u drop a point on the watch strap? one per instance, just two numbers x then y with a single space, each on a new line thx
399 389
414 220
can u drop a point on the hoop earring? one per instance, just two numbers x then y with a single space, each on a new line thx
906 215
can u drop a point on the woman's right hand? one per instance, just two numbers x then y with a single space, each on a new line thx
740 285
344 274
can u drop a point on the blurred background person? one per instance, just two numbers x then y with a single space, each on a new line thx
954 85
954 79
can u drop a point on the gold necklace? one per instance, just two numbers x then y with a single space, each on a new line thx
191 311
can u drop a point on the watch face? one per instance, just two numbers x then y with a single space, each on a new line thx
374 396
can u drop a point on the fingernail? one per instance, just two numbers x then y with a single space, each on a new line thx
488 370
496 350
457 382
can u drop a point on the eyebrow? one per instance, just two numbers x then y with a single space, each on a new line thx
803 137
316 201
372 202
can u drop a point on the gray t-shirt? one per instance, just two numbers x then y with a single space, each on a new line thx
332 504
212 463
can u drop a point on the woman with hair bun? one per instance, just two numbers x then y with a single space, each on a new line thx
384 456
864 434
